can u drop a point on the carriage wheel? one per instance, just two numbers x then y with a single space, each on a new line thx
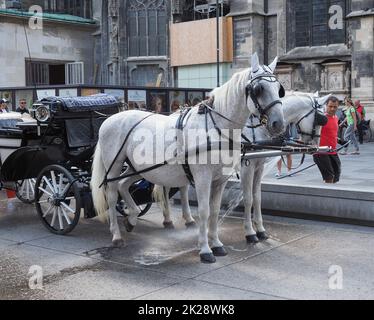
123 209
58 200
25 190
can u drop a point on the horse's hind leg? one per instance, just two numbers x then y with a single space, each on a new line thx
215 206
124 191
112 198
247 174
258 221
190 222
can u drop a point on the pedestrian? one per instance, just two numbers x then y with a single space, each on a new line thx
329 163
290 133
4 106
22 107
350 133
362 114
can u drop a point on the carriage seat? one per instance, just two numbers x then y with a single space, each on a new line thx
96 102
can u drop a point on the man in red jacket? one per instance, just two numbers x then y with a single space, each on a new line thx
329 163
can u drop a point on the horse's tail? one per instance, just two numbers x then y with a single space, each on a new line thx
159 195
98 190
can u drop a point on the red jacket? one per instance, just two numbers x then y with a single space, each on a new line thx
329 134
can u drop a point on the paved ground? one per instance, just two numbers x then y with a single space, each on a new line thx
161 264
357 172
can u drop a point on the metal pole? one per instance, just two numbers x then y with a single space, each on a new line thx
218 44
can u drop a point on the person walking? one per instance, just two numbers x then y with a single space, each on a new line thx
352 121
360 126
329 163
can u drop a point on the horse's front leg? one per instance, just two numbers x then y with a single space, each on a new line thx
203 180
247 176
257 214
187 216
215 206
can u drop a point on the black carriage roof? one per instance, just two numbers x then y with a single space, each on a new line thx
97 102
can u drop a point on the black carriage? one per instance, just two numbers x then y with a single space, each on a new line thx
49 159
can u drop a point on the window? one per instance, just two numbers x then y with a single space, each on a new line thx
80 8
54 73
74 73
316 22
147 28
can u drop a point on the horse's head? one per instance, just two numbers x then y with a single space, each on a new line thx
311 118
263 93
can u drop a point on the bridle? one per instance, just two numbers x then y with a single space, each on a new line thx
254 90
319 120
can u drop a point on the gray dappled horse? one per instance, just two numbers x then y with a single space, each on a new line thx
253 91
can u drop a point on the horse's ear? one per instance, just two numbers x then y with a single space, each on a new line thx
273 65
322 101
255 63
316 95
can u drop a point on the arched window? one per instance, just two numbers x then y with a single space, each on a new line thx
316 22
147 28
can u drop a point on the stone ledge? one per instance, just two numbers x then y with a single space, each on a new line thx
336 205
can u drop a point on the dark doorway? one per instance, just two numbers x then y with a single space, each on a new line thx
56 74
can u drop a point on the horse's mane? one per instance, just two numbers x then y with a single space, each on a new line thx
233 89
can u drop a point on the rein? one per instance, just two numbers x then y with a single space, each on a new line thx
314 110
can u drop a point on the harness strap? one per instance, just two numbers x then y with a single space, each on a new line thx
105 182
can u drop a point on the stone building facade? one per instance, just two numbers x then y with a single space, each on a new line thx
133 42
323 45
44 54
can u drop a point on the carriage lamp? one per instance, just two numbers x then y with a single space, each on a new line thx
42 113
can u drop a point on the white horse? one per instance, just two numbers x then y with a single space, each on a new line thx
298 109
253 91
305 111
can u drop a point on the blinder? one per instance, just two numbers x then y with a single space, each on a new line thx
254 89
321 119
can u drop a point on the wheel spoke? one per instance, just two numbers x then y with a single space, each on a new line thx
54 217
60 183
32 183
53 176
27 196
60 218
45 191
48 184
48 211
67 187
66 216
22 190
67 207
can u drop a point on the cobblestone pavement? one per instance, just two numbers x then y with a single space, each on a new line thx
164 264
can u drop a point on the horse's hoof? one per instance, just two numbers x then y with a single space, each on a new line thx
191 225
219 252
129 227
208 258
252 239
262 236
118 243
169 225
